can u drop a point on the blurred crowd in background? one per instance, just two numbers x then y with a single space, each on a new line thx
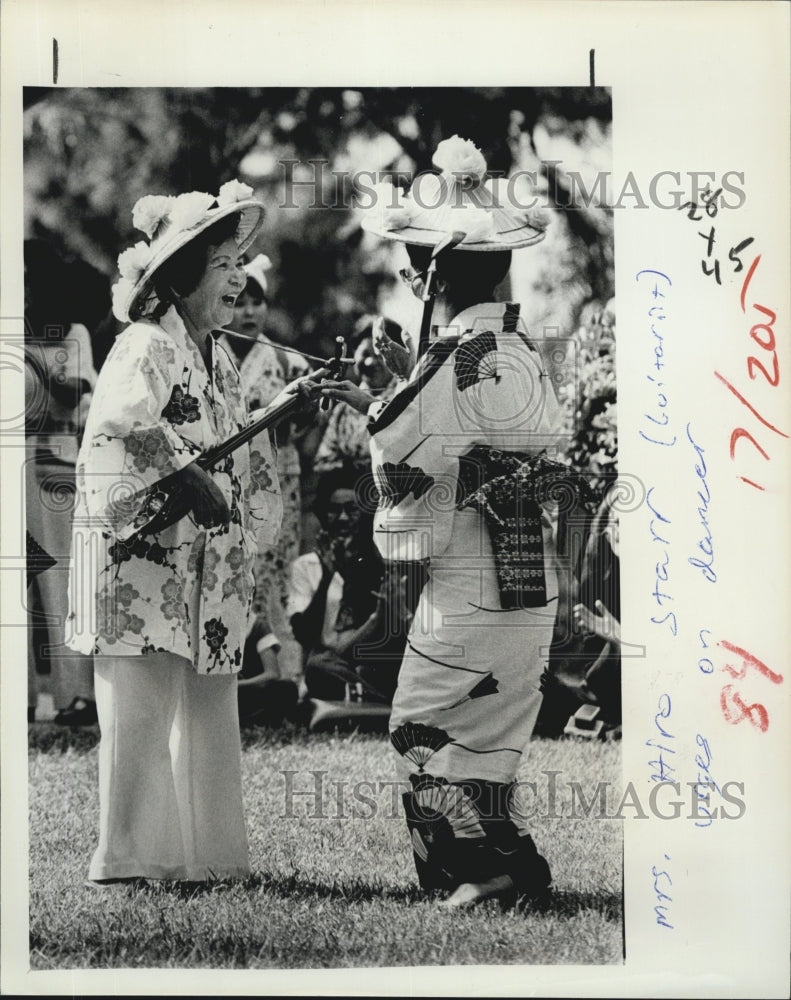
330 619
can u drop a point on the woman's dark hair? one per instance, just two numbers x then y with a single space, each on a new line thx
182 272
474 271
254 290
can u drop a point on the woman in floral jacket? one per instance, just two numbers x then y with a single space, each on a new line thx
166 613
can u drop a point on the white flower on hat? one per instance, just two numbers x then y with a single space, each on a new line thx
537 218
233 191
150 211
461 159
133 261
121 292
476 223
517 198
393 209
189 209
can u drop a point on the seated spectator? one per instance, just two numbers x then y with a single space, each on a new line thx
601 684
585 657
348 614
346 438
265 697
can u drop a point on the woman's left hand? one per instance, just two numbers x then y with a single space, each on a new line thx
348 392
305 389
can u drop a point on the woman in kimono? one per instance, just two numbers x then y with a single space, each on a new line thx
265 369
166 613
460 466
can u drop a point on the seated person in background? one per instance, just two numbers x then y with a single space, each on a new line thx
348 614
264 696
601 628
346 438
585 658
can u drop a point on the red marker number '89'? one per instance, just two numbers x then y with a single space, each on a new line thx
734 708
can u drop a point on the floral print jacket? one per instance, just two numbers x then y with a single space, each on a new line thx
186 590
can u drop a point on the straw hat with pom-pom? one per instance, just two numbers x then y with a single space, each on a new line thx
458 199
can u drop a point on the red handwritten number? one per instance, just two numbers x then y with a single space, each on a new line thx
760 719
748 660
763 335
768 345
739 433
733 707
753 363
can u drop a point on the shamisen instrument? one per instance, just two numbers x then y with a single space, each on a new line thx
168 499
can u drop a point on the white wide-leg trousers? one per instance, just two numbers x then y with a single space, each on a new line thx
170 785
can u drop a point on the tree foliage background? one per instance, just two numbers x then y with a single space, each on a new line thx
91 153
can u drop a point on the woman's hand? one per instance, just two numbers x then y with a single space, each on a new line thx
398 359
305 389
205 498
325 550
348 392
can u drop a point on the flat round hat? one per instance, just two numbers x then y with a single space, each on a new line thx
457 199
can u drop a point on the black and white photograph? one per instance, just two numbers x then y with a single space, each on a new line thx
321 439
334 469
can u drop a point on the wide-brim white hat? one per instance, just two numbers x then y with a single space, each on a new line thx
458 199
171 223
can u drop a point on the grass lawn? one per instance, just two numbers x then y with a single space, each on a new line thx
333 884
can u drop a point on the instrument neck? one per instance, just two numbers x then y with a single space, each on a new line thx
270 416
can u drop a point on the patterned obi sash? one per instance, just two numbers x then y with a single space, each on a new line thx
508 490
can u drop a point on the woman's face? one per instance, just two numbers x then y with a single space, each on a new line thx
250 311
210 305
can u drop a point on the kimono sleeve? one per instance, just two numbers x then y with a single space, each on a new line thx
416 441
502 388
128 445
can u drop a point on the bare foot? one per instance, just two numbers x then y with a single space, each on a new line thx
471 893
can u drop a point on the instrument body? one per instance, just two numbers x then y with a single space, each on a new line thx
169 500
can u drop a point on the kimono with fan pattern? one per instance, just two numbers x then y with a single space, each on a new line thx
185 590
472 667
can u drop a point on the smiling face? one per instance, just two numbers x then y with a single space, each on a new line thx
210 305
